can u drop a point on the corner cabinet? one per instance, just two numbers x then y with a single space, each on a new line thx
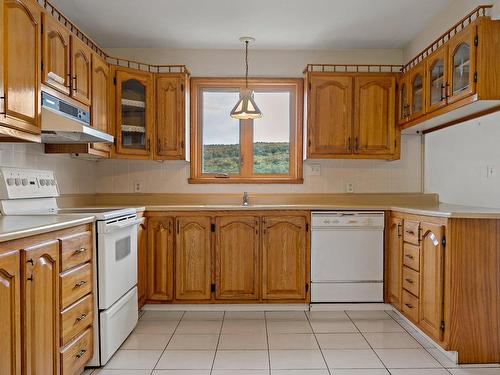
20 54
133 115
352 116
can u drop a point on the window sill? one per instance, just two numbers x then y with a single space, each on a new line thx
243 180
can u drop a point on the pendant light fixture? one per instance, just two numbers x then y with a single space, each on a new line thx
246 108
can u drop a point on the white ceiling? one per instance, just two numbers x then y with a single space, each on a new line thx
276 24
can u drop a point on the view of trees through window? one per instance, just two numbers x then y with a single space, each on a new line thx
222 141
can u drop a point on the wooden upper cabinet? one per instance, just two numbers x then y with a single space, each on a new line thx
193 276
142 265
160 259
100 110
462 64
20 22
394 261
133 112
329 115
284 257
403 99
81 71
432 280
375 115
436 80
10 313
41 308
237 264
170 116
417 91
56 55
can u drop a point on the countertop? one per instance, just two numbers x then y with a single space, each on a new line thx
13 227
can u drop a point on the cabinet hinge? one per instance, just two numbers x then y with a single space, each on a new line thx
212 227
476 40
41 28
114 81
395 143
212 288
309 143
307 227
307 287
310 86
443 241
41 65
182 87
442 325
475 76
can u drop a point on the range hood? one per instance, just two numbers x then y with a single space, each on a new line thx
66 124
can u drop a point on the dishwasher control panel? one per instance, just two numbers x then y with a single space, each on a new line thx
323 219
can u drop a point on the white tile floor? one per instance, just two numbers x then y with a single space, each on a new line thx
279 343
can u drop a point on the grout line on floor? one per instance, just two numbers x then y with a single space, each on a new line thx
267 342
218 341
319 346
170 339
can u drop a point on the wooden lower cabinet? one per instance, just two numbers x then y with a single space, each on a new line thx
142 261
41 308
193 276
160 260
10 313
237 263
394 260
228 256
284 257
451 279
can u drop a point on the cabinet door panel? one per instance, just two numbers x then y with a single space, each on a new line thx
284 257
375 115
436 79
432 280
462 64
237 258
160 259
142 263
193 259
417 91
41 309
56 55
10 314
330 115
403 99
395 261
81 70
170 113
20 69
100 95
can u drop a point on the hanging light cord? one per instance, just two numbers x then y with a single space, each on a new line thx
246 64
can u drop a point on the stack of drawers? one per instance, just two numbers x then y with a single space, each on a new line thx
76 302
411 270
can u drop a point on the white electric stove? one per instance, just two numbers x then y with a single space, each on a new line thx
33 192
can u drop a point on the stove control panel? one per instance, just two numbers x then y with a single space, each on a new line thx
19 183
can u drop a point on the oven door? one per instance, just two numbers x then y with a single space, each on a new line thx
116 258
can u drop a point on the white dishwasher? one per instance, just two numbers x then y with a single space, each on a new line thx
347 256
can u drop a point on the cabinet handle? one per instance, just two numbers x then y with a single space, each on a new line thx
80 250
69 81
409 281
410 256
75 80
81 353
443 97
80 283
410 232
142 226
4 111
356 144
30 278
30 260
399 230
81 317
349 144
409 305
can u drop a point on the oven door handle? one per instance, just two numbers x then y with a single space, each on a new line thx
118 226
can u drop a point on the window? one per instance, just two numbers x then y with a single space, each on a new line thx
226 150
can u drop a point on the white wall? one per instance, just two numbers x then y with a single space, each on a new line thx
74 176
366 175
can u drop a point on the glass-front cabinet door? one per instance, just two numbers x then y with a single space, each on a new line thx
417 92
134 118
436 79
403 99
462 59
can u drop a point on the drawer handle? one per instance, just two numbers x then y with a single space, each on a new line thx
410 256
409 281
81 317
80 283
410 232
80 250
81 353
409 305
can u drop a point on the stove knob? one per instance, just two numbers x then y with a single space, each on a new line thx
10 181
42 182
17 181
24 181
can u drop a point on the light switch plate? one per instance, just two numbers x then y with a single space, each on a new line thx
138 186
315 170
349 187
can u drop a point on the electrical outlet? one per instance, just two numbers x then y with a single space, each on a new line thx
490 171
349 187
138 186
315 170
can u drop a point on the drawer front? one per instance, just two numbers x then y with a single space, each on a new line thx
411 232
75 284
411 256
76 318
76 250
410 306
76 354
411 281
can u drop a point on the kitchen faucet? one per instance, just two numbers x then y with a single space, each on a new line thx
245 199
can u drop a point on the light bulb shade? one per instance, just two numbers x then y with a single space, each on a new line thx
246 108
